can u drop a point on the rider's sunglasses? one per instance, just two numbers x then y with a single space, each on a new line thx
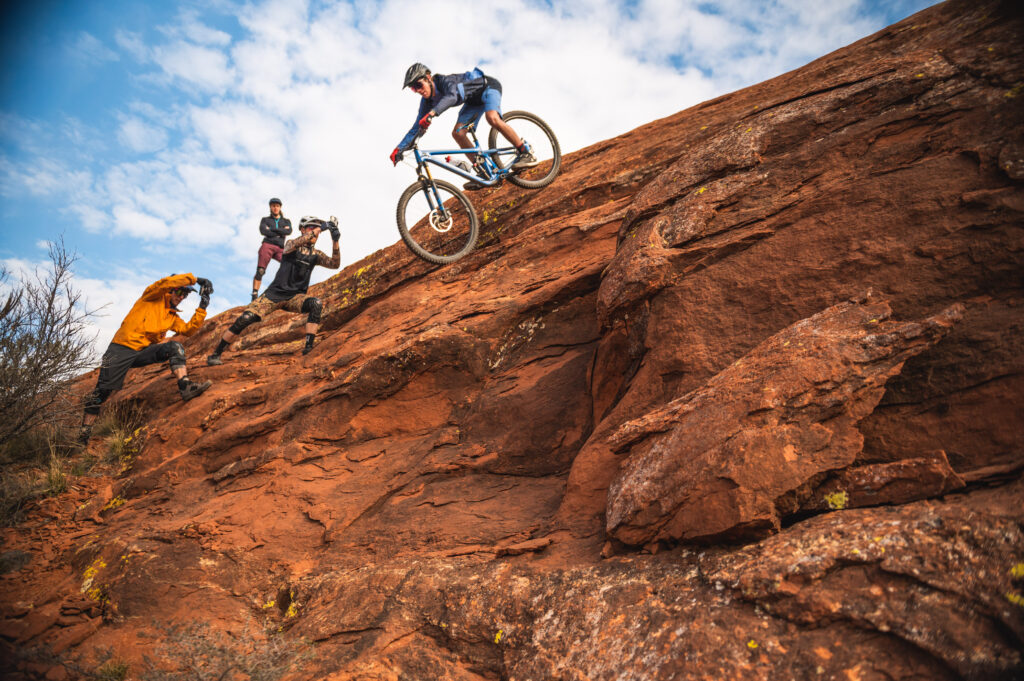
419 85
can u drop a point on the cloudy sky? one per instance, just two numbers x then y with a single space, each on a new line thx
151 134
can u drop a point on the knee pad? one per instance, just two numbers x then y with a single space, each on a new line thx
176 354
94 399
260 271
243 321
314 308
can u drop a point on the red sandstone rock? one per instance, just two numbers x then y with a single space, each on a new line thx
424 495
718 462
898 482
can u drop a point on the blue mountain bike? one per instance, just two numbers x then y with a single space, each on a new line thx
436 220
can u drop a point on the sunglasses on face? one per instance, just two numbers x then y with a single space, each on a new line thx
419 85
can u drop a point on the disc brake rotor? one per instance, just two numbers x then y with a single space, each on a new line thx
440 223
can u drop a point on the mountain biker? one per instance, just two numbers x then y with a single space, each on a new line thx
288 290
478 94
274 228
138 342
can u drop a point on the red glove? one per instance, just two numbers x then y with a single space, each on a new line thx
425 121
396 156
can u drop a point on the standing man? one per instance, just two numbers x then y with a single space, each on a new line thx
139 343
288 290
274 228
478 94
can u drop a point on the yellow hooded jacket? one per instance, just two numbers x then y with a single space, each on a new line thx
152 316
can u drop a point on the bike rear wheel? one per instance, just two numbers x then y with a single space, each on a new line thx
437 222
542 142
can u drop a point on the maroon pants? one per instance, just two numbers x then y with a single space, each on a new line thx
268 251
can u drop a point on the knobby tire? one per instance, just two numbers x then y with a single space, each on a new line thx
439 248
556 151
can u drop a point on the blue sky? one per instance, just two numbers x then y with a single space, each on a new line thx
150 135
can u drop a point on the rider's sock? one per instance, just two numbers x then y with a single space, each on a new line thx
309 339
183 382
221 347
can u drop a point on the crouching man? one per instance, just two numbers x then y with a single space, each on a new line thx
288 291
139 343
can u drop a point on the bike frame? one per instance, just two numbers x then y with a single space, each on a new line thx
427 156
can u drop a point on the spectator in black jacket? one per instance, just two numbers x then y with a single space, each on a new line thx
274 228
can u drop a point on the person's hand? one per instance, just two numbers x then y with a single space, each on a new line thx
425 121
332 225
204 300
396 156
205 286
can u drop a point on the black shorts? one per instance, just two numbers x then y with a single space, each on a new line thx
118 359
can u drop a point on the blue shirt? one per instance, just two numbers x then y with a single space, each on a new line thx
457 88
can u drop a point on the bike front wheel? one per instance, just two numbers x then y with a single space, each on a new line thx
437 222
543 144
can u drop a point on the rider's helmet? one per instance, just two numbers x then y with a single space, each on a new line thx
275 200
310 221
415 72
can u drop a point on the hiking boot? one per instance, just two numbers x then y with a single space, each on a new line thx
214 360
191 389
525 158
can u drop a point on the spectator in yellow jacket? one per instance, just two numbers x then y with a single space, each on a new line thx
139 341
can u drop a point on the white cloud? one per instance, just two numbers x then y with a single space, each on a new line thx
200 33
236 132
87 48
141 137
205 67
138 224
133 44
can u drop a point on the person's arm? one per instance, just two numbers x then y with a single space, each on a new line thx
449 90
267 228
284 227
331 263
187 329
407 140
158 288
304 240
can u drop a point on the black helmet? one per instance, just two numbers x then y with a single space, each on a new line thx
275 200
415 72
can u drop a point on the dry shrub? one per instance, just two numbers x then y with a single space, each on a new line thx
44 346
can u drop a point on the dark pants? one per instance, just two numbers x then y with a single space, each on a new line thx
118 359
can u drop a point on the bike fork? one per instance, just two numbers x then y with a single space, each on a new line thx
433 198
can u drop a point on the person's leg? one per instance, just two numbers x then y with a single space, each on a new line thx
313 308
257 281
491 98
174 354
469 114
266 252
253 313
494 120
114 366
